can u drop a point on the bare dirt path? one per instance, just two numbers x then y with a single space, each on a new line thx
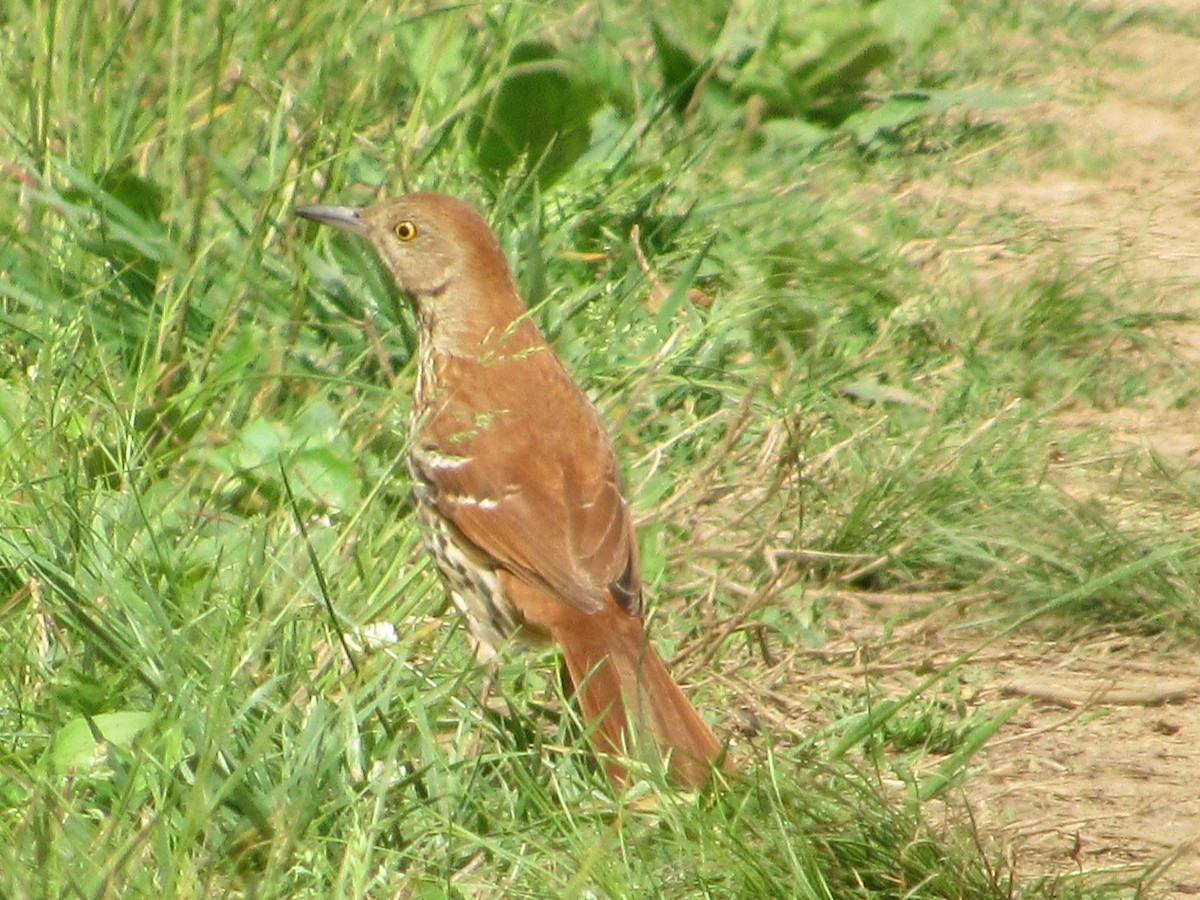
1100 768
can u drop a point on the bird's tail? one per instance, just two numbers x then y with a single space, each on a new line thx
632 705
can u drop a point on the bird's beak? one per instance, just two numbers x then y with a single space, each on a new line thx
342 217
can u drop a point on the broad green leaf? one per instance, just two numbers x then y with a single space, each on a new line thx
261 442
539 113
82 744
793 133
130 233
915 22
985 98
840 67
325 476
683 46
894 112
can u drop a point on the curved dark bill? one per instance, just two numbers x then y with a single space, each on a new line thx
343 217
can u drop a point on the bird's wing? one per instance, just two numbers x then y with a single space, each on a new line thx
528 478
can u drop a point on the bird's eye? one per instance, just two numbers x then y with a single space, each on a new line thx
406 231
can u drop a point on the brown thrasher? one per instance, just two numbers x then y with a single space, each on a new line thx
516 484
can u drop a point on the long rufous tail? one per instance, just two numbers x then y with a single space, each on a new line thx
632 704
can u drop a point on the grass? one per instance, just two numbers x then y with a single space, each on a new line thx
202 433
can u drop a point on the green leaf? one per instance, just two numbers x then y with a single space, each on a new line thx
683 46
840 68
915 22
260 443
904 107
539 113
130 234
82 745
985 98
814 63
794 133
893 113
326 477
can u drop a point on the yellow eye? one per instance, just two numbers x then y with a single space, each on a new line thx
406 231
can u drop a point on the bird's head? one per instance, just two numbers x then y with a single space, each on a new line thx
426 241
441 253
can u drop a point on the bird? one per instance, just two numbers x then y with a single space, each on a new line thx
517 487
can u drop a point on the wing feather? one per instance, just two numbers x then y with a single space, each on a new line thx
531 482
